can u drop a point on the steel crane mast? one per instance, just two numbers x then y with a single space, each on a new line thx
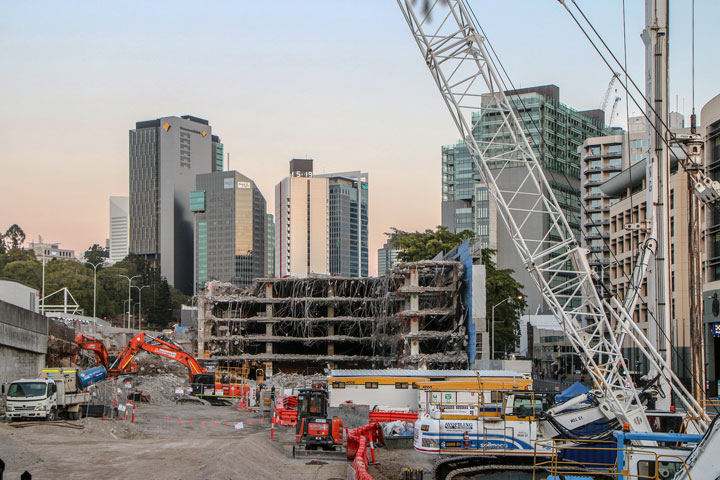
459 62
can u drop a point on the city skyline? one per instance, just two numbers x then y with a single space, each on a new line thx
359 99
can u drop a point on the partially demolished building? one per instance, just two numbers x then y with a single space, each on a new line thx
413 317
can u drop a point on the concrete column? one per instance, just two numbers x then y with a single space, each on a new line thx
331 327
414 329
201 326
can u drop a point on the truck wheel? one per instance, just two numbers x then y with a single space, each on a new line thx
52 415
74 415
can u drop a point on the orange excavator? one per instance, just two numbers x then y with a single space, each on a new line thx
87 342
164 347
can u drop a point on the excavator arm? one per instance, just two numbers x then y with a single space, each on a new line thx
86 342
157 346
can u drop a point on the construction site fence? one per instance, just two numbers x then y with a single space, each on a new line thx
558 466
108 399
393 415
358 442
286 410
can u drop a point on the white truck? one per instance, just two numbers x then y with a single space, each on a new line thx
57 392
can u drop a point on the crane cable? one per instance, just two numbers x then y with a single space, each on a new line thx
660 135
636 288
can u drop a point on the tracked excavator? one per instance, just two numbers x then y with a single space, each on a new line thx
102 357
165 347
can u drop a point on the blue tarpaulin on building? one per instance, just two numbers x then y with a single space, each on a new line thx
573 390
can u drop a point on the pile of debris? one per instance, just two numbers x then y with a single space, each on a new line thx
294 380
163 389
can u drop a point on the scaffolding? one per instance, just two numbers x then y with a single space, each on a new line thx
411 317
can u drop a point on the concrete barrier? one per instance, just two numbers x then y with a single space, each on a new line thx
23 342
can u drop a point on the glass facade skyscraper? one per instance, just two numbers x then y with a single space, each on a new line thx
348 216
165 156
555 131
231 231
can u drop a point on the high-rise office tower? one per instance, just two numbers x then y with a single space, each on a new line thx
165 156
230 228
555 132
348 214
119 228
301 222
387 257
270 246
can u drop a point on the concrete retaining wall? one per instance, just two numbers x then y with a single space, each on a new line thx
23 342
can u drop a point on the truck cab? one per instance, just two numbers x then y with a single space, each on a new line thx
32 398
58 392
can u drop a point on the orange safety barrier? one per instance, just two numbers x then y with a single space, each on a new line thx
357 443
393 415
286 410
361 461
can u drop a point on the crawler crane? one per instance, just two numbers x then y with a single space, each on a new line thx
457 56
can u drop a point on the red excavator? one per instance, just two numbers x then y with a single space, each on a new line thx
164 347
87 342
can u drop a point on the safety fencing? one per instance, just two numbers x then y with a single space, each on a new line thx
393 415
358 442
286 410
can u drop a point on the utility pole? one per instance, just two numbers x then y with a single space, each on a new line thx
129 279
95 284
655 37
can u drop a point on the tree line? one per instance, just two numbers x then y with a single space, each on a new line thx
160 301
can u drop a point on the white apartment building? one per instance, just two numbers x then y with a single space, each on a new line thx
302 223
119 228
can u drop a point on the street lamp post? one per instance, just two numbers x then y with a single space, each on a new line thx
95 284
129 279
492 334
136 308
140 304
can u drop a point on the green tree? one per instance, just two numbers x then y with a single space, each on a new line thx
28 272
505 293
14 236
95 254
415 246
14 255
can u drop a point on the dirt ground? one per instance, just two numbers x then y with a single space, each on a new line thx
158 446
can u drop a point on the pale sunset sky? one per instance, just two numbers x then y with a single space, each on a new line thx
341 82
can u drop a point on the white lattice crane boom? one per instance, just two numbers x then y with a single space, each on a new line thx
472 89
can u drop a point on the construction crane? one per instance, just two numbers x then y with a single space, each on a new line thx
165 348
471 87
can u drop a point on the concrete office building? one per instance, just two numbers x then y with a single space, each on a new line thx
165 156
50 251
119 241
710 119
628 205
387 257
270 246
466 202
302 222
230 229
348 216
218 151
